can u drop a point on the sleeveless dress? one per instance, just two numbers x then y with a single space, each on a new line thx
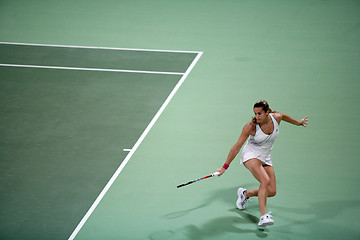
259 146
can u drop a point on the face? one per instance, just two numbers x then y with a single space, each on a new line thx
260 114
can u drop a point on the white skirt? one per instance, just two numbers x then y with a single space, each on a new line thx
250 152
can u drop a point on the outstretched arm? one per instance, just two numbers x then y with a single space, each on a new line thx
287 118
236 148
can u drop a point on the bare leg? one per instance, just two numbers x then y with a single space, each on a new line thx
271 190
261 173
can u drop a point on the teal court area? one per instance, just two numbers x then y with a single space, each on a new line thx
64 129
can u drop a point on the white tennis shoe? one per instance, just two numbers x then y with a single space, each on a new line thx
266 220
242 199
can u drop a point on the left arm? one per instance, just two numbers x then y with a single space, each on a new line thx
287 118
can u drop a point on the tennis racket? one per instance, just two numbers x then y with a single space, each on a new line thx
199 179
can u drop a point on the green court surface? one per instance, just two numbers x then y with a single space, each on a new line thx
62 136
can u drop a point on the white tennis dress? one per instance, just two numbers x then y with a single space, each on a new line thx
259 146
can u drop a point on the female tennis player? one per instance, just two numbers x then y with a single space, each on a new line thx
261 131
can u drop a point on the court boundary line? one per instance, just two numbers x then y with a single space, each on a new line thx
134 148
87 69
92 47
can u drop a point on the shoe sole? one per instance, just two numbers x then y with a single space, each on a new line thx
238 202
266 224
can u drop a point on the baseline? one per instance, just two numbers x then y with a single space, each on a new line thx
105 48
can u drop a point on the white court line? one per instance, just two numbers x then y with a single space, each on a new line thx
90 47
126 160
88 69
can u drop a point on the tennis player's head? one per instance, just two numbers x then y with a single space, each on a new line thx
261 111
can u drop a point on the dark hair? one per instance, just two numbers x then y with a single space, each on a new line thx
264 105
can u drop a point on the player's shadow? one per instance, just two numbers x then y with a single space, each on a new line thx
179 214
215 227
228 195
244 223
222 225
316 211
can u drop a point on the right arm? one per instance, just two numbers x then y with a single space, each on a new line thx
248 128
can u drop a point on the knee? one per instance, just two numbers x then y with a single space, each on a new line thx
271 192
265 182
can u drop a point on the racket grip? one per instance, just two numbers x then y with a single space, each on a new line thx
216 174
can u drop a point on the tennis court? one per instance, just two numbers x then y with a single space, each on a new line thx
62 126
91 147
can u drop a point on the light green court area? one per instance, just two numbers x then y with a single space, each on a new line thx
302 57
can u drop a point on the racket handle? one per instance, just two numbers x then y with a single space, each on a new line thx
216 174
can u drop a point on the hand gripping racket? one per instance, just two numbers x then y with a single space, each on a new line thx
199 179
